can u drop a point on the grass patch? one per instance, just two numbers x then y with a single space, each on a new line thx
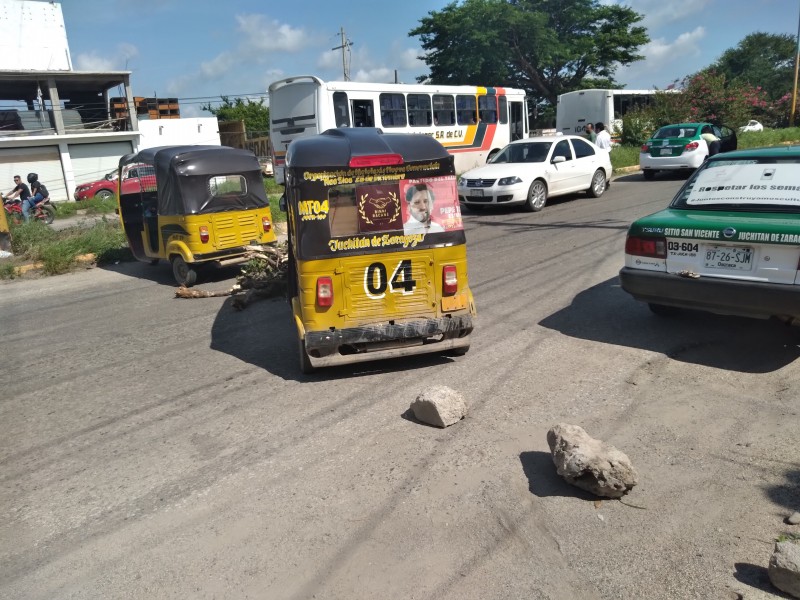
7 270
58 250
93 206
274 192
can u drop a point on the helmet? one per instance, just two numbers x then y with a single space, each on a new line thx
32 177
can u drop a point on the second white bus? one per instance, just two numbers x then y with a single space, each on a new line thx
472 122
576 109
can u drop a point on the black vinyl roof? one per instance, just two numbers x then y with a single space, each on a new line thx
335 147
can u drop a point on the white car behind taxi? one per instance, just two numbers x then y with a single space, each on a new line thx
529 171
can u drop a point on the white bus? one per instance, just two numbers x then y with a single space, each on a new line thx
576 109
472 122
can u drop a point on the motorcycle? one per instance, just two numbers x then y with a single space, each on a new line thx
44 211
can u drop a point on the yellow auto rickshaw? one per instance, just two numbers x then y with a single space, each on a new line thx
193 205
377 252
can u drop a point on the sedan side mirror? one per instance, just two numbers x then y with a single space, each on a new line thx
282 203
558 159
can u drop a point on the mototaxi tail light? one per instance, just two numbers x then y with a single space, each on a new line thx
266 225
324 291
652 247
204 234
376 160
691 146
449 280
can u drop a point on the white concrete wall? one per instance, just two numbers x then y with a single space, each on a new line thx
175 132
18 50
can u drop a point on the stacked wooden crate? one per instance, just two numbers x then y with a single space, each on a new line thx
147 108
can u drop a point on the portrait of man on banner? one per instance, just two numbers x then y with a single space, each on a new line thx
430 206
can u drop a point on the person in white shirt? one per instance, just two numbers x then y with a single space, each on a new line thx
603 137
420 207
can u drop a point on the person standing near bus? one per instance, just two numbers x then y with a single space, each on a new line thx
603 137
590 134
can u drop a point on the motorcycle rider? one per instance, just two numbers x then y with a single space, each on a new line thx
20 190
39 194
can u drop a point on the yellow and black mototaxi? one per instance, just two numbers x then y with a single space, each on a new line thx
193 205
377 251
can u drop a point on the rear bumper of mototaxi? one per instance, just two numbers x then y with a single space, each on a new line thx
388 340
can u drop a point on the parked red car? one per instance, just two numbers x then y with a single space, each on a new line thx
107 187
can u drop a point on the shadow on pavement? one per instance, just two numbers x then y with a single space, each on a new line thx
543 479
605 313
757 577
263 334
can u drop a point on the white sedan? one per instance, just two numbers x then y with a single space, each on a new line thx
528 171
752 125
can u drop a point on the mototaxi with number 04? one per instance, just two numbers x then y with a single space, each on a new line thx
377 251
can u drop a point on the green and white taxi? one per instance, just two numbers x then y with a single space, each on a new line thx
729 243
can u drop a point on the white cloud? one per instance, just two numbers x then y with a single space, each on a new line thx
260 33
667 59
661 12
218 66
116 61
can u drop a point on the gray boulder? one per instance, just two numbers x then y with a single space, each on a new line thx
784 567
440 406
590 464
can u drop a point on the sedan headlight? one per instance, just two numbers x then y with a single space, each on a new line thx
509 180
462 182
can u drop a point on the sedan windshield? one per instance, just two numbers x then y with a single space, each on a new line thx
523 153
749 184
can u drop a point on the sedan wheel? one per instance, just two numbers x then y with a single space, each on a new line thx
598 184
649 175
537 196
104 195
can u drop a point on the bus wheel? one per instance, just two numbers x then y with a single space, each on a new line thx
537 196
305 362
598 185
183 274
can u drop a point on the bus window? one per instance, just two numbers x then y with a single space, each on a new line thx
363 113
393 110
487 108
503 109
419 110
465 109
444 110
340 109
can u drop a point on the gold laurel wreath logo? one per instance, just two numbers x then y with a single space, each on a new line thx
379 204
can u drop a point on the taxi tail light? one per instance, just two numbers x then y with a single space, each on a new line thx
691 146
653 247
645 148
376 160
266 225
204 234
324 291
449 280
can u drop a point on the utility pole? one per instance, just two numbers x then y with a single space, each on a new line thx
796 70
345 48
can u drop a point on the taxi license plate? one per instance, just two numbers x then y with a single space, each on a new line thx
666 152
476 193
454 302
729 258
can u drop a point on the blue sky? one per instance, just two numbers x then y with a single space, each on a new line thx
195 49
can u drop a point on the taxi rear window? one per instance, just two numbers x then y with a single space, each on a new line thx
754 185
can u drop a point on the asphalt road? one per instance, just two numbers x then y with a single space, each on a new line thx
152 447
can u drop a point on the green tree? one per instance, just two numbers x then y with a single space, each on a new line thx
547 47
762 60
254 114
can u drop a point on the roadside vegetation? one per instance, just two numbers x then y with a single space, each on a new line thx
44 250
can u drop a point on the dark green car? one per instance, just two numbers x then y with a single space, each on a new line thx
729 242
